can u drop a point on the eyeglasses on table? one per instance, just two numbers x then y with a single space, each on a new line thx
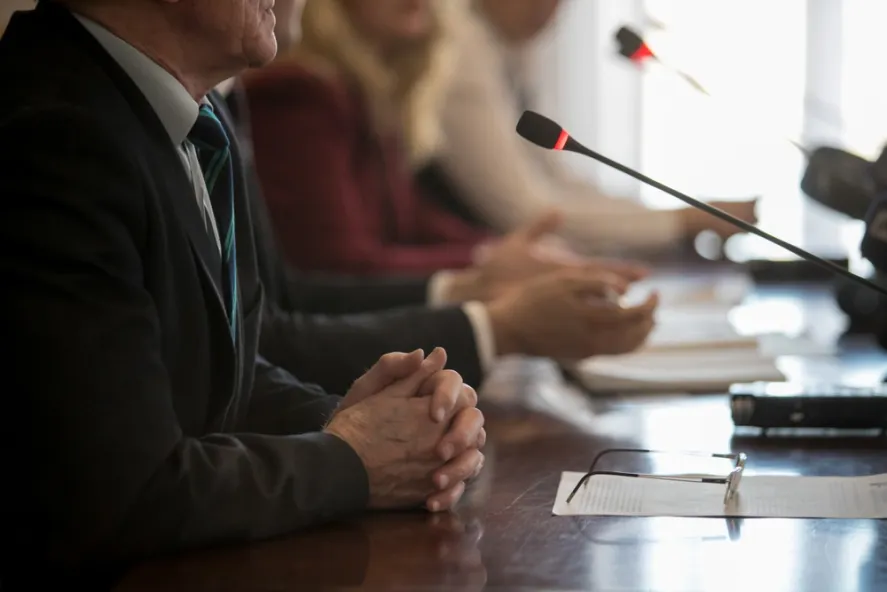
731 480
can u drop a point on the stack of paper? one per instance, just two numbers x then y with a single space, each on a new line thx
696 328
692 371
729 290
694 346
692 349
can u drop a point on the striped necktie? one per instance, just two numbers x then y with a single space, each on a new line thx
214 152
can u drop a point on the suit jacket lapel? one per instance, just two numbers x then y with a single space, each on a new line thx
188 212
176 185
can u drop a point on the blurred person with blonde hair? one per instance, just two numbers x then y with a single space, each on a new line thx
338 123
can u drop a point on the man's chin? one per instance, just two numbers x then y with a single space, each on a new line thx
262 55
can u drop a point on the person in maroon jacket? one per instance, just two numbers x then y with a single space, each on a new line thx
339 125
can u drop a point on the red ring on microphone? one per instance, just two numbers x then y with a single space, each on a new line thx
642 53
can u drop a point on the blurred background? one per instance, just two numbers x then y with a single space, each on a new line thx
798 69
7 7
793 69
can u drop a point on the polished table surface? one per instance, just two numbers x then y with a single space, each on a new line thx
504 535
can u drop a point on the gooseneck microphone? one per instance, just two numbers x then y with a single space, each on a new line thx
548 134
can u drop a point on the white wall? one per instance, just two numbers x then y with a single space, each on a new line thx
780 65
590 92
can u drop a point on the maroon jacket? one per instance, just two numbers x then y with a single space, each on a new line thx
341 198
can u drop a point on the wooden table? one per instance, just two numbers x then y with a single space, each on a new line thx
505 537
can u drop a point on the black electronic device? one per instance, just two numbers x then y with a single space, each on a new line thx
770 405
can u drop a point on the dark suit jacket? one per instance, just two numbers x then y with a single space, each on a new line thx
331 347
356 208
435 183
132 424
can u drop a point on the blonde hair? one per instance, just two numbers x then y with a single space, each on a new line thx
403 95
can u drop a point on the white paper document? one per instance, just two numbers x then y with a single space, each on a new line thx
699 328
709 370
680 290
695 328
764 496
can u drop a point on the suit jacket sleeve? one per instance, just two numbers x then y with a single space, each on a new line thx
318 207
335 351
104 457
332 295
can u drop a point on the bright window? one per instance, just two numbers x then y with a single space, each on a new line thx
777 70
735 143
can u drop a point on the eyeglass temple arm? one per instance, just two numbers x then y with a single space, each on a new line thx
603 453
685 478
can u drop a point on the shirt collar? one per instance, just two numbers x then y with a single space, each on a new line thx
176 109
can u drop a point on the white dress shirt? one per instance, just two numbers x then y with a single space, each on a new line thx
174 106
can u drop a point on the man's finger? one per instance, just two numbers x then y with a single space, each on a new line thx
545 224
606 314
481 439
593 282
643 310
446 500
462 435
630 339
410 386
385 372
448 394
462 468
630 270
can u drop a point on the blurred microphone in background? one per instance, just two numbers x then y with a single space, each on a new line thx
835 178
632 46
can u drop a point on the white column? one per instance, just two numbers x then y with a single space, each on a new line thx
591 91
822 229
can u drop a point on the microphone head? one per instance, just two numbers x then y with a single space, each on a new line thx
541 131
629 41
631 45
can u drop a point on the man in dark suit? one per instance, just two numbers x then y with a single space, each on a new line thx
138 418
